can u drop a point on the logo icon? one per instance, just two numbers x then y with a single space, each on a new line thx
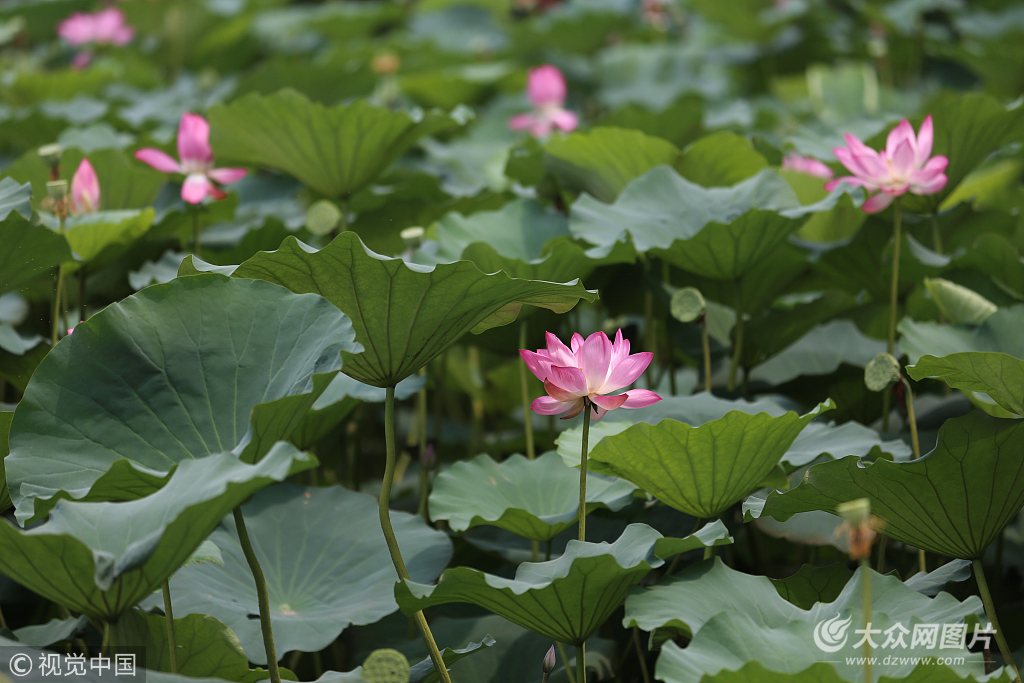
830 636
21 664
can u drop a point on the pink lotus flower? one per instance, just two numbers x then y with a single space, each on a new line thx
903 165
85 190
196 161
546 89
802 164
105 27
591 370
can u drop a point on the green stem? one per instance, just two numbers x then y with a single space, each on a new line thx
476 400
581 663
196 247
421 416
912 419
55 336
737 350
882 543
893 299
172 645
389 532
649 340
81 293
922 563
531 453
583 470
865 581
990 612
263 598
565 662
640 655
706 342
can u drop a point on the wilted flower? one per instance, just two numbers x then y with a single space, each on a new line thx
588 372
105 27
546 89
796 162
859 526
903 165
196 161
85 190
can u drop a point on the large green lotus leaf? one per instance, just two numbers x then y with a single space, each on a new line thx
537 499
29 251
204 646
5 430
704 470
603 161
721 159
102 558
565 599
175 372
15 197
524 240
813 441
403 314
53 631
680 123
1000 333
735 618
334 150
90 234
326 564
968 128
821 672
999 375
954 501
718 232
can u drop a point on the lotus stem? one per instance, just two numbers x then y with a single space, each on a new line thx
565 661
881 552
57 295
583 471
912 419
421 418
389 532
893 296
477 403
649 339
706 342
261 595
640 655
196 247
81 293
172 645
922 563
865 582
990 612
737 350
581 663
531 451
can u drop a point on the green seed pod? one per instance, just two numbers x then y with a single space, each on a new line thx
57 189
882 372
385 666
687 305
856 512
51 155
322 217
413 237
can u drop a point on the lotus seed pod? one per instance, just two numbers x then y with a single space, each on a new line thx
856 512
687 305
51 155
322 217
57 189
385 666
882 372
413 237
960 305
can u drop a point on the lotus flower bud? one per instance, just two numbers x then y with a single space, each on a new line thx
548 664
882 372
